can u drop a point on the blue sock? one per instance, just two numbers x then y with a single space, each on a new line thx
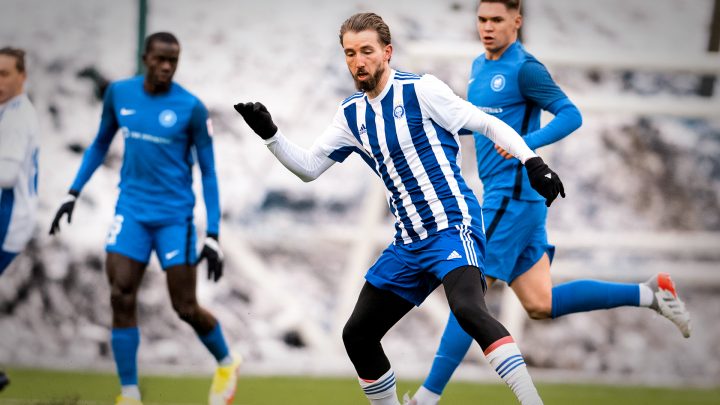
454 344
125 342
215 342
589 295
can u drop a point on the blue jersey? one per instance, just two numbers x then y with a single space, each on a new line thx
515 88
160 133
408 135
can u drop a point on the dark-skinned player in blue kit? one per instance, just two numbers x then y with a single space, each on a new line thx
512 85
165 128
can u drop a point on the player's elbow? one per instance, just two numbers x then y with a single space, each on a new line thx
578 119
574 118
307 177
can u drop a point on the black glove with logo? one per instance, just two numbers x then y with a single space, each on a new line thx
214 255
67 207
543 180
258 118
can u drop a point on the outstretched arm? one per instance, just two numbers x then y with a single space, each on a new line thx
453 113
542 179
306 164
500 133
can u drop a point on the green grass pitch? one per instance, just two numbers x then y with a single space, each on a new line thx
43 387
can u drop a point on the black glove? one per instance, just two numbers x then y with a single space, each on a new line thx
543 180
211 251
67 207
258 118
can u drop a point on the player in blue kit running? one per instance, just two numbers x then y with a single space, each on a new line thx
164 127
512 85
405 127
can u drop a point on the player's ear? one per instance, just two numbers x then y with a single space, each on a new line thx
518 21
388 52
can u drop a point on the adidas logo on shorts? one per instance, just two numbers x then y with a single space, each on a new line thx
454 255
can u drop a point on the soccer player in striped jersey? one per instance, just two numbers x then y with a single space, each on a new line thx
511 84
405 127
19 142
165 129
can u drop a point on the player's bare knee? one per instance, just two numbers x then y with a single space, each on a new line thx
122 299
538 309
187 311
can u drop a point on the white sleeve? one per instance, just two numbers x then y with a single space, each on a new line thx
453 113
334 145
500 133
306 164
14 140
9 173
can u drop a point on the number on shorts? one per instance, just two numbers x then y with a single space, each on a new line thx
115 229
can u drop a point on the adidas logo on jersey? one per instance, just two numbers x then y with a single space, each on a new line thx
363 129
454 255
549 176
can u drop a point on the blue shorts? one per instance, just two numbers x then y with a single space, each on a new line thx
516 236
173 243
414 270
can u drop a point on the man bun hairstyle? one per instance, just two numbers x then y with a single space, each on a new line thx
18 54
366 21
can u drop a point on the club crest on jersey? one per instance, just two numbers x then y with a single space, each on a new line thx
363 130
167 118
497 83
398 111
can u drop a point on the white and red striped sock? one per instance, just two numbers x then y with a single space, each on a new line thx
505 357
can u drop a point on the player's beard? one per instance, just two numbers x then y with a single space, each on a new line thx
371 82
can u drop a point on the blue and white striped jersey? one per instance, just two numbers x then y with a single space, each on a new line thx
408 136
19 143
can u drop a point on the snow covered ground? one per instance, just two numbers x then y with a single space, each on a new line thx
278 302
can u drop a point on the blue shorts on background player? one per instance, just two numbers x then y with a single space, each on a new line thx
164 126
511 84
